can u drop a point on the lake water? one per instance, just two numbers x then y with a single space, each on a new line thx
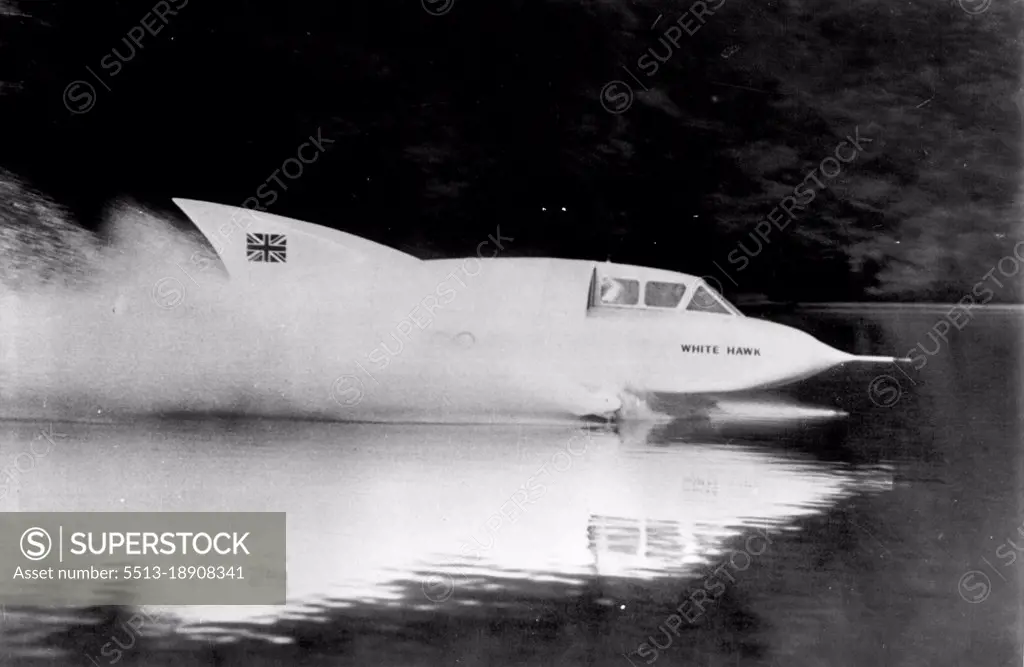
866 517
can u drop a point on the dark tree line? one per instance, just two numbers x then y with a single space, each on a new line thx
490 114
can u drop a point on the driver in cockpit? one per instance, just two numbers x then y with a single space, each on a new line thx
611 290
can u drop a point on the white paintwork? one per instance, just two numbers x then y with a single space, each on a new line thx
378 334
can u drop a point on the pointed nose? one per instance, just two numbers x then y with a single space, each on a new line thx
803 356
811 356
877 360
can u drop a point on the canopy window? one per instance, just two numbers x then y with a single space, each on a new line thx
619 291
663 295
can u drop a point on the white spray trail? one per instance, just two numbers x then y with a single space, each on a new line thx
96 327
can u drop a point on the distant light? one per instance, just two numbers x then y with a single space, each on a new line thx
542 208
563 208
696 216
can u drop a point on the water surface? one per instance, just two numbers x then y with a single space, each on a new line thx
846 511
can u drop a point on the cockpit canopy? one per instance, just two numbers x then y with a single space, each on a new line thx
614 287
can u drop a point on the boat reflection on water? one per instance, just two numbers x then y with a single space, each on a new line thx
657 502
438 518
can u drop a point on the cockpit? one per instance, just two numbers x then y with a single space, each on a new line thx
616 289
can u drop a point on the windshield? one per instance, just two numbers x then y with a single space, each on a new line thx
706 300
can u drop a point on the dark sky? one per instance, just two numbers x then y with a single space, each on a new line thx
450 119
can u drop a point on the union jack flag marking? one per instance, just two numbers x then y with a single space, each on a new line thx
266 247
